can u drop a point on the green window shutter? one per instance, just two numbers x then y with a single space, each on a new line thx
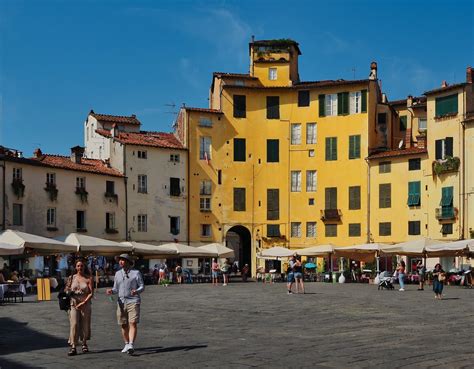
239 199
414 193
273 151
330 194
239 149
354 198
403 123
345 103
354 147
328 148
446 105
385 195
363 108
273 204
339 104
447 196
334 148
322 101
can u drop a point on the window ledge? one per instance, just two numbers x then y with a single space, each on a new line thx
445 116
81 230
205 210
51 229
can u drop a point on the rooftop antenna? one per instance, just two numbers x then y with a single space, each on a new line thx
173 107
354 72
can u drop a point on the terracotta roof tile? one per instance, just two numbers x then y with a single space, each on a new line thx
443 89
302 85
204 110
115 118
233 75
87 165
146 138
401 152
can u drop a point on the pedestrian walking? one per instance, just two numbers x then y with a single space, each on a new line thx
128 284
225 269
298 273
179 274
215 272
290 274
439 277
80 289
401 275
162 272
420 269
245 272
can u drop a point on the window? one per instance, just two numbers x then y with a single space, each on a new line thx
447 228
296 229
311 201
80 220
330 198
174 225
414 196
331 148
273 155
205 187
414 228
330 230
239 199
354 229
355 102
311 133
239 149
110 187
80 182
174 158
240 106
444 148
109 220
311 229
311 180
142 223
295 181
273 204
330 105
354 198
414 164
219 176
446 105
205 230
303 98
422 126
382 118
403 123
363 107
17 174
142 183
343 103
385 229
354 147
17 214
204 148
175 189
273 230
296 134
205 122
141 154
273 107
385 167
446 197
51 217
272 74
311 153
205 204
51 179
385 195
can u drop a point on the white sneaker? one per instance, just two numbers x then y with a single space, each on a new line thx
130 350
125 348
402 289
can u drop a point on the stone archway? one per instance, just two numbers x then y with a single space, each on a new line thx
239 239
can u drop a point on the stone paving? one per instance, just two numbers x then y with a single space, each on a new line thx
246 325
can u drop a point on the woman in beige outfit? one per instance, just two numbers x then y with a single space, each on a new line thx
80 287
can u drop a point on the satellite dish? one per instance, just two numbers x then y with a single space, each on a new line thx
400 144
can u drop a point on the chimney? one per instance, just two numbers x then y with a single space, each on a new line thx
114 130
421 141
409 101
37 153
469 74
408 138
77 152
373 71
444 84
384 98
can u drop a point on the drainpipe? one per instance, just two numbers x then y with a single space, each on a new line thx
368 199
4 194
462 177
125 180
188 164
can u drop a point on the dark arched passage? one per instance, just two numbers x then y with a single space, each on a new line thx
239 239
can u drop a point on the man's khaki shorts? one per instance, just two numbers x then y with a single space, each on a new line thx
128 313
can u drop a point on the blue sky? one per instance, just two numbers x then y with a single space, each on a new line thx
59 59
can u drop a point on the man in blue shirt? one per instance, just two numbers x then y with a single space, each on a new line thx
128 284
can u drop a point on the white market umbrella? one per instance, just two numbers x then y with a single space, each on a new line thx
10 249
95 245
188 251
455 248
365 252
277 252
218 249
320 250
144 249
410 248
34 242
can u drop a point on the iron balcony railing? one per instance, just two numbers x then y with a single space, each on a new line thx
445 213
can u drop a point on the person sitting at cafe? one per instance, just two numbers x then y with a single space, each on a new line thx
14 277
2 278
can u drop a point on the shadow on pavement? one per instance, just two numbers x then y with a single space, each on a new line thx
10 364
158 350
18 337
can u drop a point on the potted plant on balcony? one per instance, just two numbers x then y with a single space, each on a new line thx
449 164
52 190
18 187
82 193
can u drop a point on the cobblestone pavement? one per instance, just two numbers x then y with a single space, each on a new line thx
255 325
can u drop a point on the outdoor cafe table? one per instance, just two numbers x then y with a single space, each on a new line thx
4 288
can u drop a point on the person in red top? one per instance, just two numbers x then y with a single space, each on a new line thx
215 272
401 275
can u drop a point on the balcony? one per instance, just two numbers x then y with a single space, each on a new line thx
111 196
18 187
446 213
331 215
446 166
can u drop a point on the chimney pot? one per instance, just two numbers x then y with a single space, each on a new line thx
373 70
77 152
444 84
37 153
469 74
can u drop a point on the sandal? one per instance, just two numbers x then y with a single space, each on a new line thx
72 351
85 348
